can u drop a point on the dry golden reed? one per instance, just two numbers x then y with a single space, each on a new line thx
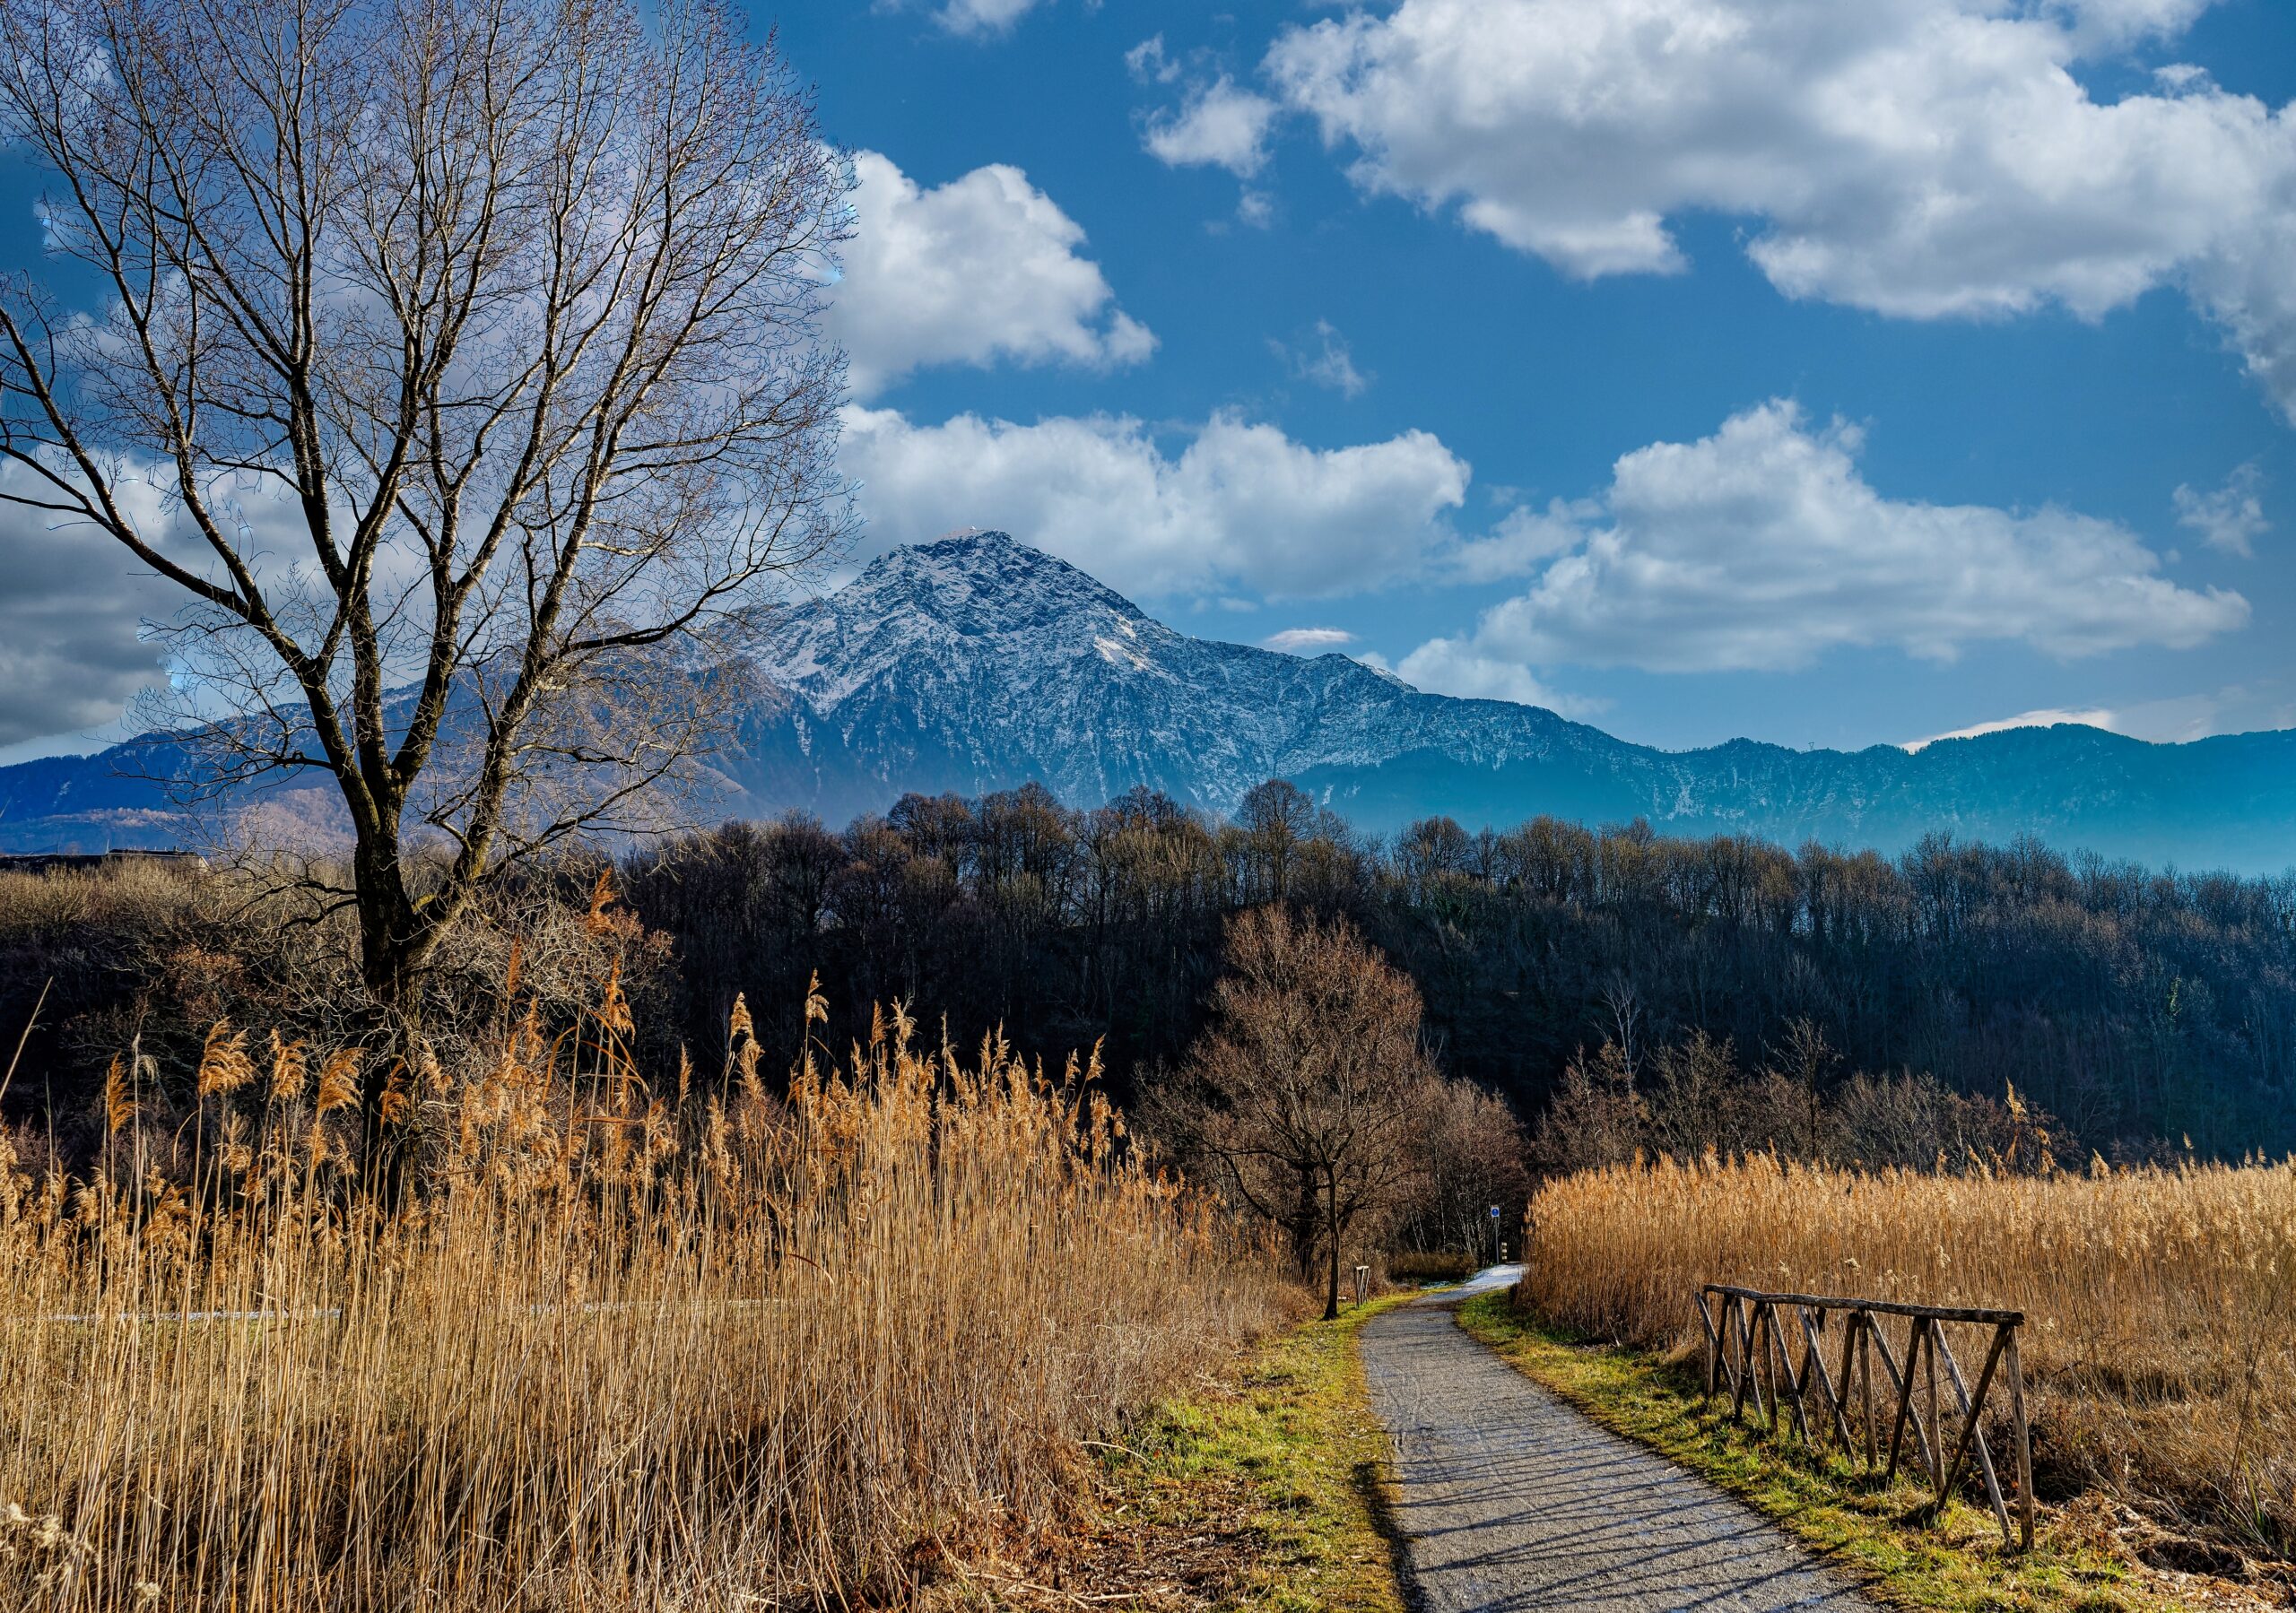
620 1353
2160 1303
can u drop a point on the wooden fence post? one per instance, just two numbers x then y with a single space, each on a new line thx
2025 1447
1747 1347
1713 1346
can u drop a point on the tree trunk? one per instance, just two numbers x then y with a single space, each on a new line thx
1305 1215
1331 1230
394 942
391 944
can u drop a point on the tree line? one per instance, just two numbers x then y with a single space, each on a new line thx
2141 1007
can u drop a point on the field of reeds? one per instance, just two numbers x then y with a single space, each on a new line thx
614 1346
2160 1303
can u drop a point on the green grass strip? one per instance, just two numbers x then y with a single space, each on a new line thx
1288 1464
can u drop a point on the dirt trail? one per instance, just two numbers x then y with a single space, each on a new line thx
1506 1498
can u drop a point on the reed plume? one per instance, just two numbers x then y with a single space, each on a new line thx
623 1349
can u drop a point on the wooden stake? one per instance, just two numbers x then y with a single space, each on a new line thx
1816 1364
1846 1384
1713 1348
1972 1407
1936 1437
1782 1366
1866 1370
1766 1330
2025 1446
1905 1392
1746 1357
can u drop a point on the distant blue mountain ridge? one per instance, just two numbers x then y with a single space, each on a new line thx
978 663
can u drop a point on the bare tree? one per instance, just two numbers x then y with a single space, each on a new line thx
1473 1151
1804 1063
1625 1006
1300 1098
458 361
1596 1116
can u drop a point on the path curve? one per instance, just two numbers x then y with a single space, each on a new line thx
1506 1498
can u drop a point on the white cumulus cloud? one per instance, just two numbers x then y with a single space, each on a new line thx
1763 547
980 18
1452 666
1307 641
982 268
1919 158
1217 126
2231 518
1240 504
2110 24
1330 362
1522 540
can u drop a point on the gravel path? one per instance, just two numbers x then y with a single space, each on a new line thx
1507 1499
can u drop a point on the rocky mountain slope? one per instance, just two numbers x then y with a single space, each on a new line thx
977 663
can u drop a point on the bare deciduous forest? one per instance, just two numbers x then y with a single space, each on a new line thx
2146 1011
2141 1007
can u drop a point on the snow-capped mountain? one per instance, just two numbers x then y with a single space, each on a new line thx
978 663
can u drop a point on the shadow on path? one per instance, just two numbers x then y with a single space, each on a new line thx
1506 1498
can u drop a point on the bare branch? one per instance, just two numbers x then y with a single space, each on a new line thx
474 349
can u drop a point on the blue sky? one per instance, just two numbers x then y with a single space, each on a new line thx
2072 380
1827 374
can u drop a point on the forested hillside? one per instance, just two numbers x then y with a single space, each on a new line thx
2140 1006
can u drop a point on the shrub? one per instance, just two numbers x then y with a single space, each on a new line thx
147 959
1412 1267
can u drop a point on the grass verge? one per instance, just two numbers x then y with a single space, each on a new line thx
1886 1537
1259 1492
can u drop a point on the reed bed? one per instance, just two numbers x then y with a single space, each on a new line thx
616 1349
2160 1303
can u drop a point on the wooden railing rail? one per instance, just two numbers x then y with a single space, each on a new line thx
1751 1338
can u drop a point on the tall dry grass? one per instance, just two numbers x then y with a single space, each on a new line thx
627 1348
2161 1303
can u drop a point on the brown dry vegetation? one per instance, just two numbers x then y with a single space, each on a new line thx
1312 1102
699 1347
2161 1303
153 955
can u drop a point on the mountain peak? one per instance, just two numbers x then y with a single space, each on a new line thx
977 663
973 572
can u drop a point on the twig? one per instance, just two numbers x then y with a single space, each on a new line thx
1082 1601
26 1034
1103 1444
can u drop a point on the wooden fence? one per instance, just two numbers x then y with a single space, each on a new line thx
1752 1339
